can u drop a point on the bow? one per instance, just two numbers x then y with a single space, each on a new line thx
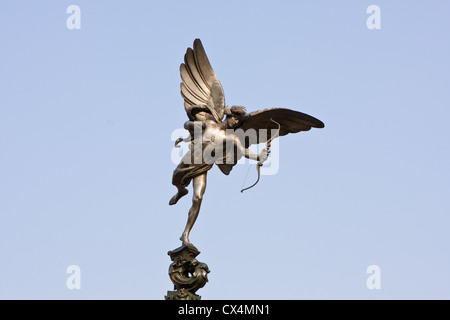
267 148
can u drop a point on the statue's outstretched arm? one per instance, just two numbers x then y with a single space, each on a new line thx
262 156
187 139
190 126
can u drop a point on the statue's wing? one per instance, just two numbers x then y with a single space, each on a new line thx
290 122
200 84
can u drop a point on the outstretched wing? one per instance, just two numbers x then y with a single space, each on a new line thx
290 122
200 84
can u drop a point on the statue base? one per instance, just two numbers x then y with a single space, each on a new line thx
187 274
181 294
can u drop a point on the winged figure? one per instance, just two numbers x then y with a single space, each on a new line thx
213 128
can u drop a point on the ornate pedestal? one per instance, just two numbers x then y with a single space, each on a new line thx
187 274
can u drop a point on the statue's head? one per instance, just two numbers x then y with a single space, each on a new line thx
235 115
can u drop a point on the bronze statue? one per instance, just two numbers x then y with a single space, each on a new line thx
214 139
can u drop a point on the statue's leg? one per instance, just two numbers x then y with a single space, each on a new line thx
182 191
199 185
177 181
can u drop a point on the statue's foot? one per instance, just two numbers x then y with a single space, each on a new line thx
178 196
184 239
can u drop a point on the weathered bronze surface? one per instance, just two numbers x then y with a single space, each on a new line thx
214 126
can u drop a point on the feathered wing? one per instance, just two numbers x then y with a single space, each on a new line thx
290 122
200 84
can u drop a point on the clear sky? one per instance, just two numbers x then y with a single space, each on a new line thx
86 118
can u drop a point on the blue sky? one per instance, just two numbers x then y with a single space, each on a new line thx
86 118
